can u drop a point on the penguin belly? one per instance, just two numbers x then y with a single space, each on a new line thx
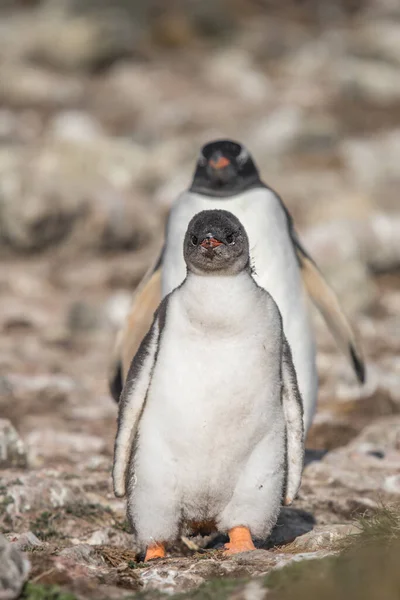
211 441
275 269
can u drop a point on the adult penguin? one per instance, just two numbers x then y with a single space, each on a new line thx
227 177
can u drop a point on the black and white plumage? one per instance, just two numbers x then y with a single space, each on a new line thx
211 406
227 177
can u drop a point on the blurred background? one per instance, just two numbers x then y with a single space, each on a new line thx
104 105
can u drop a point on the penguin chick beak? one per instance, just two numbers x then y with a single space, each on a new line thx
210 242
219 163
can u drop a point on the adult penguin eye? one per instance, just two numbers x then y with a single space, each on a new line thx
229 239
194 240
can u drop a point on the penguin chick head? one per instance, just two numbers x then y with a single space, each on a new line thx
224 168
216 243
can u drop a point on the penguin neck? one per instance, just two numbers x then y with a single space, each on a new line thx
219 301
233 188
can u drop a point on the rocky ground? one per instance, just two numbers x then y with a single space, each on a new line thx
99 130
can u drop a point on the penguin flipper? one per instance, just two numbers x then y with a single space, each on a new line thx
293 411
145 302
327 303
132 403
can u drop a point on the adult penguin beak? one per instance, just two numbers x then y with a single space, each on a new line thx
218 161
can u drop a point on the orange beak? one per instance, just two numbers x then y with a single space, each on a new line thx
210 243
221 163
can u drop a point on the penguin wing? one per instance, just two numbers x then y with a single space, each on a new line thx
144 304
328 305
326 301
133 399
293 411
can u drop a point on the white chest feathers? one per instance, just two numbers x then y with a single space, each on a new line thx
218 352
275 269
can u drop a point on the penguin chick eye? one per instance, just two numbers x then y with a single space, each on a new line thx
229 239
194 240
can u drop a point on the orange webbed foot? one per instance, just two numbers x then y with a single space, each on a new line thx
239 541
155 551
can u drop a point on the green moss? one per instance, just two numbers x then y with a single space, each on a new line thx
43 526
6 501
131 564
291 575
44 519
3 491
381 528
87 511
365 569
70 476
33 591
122 525
7 523
150 595
215 589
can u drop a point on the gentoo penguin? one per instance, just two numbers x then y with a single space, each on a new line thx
226 177
210 421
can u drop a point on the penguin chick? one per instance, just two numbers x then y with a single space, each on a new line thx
210 421
226 176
